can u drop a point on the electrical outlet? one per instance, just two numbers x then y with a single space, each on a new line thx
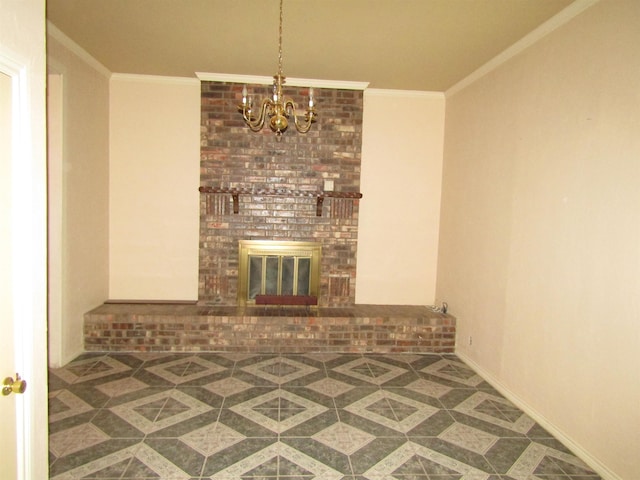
470 340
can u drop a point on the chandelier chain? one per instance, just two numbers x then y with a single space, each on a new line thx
280 42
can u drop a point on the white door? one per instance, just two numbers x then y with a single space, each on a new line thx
23 416
7 363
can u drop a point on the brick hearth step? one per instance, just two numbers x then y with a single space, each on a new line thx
151 327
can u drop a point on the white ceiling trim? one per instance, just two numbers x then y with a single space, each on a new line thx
568 13
291 81
134 77
85 56
381 92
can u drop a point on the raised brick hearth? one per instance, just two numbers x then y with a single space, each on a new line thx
269 329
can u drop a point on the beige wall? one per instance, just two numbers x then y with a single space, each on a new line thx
154 179
540 233
399 213
154 199
79 207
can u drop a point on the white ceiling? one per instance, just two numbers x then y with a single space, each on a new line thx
393 44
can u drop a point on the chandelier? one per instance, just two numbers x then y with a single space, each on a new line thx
278 108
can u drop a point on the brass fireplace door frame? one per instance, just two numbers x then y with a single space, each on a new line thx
247 248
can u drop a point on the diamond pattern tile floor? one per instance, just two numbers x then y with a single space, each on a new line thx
295 417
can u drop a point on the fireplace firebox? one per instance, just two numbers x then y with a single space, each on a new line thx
271 269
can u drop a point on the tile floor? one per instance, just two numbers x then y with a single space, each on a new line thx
295 417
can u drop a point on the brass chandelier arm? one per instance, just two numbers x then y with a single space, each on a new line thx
256 123
287 108
309 117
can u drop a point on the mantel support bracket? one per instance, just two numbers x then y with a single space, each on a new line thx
236 203
319 203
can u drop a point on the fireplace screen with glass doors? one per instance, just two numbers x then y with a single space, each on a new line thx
277 269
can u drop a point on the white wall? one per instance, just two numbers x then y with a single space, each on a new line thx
403 135
154 179
540 234
79 227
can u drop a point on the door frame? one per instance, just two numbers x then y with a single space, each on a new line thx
29 252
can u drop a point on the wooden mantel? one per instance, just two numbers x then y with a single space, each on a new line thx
318 195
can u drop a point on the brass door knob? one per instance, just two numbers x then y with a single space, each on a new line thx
13 386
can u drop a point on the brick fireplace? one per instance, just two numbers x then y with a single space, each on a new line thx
257 188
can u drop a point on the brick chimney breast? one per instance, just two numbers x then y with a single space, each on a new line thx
233 157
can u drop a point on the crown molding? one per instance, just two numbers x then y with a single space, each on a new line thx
291 81
133 77
76 49
564 16
381 92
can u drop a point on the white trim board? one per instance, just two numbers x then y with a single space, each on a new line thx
290 81
381 92
158 79
68 43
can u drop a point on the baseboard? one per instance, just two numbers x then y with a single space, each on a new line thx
566 440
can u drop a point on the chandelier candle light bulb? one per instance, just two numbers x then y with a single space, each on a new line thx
278 108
